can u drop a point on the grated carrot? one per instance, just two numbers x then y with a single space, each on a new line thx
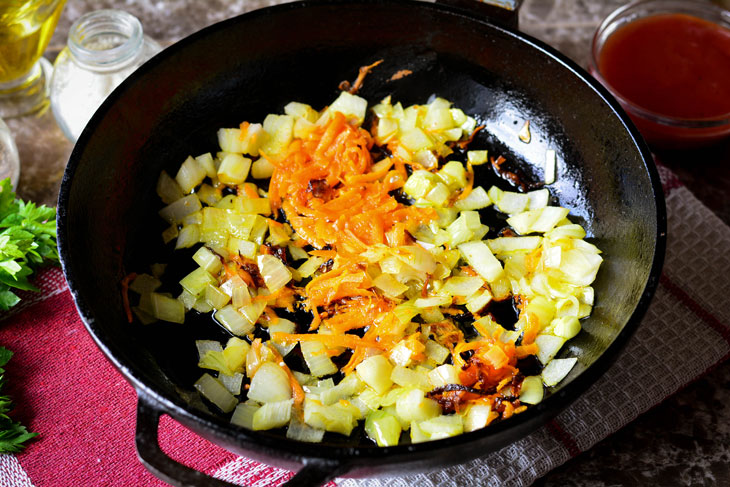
344 340
125 295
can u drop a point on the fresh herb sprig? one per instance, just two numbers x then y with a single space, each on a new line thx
13 435
27 241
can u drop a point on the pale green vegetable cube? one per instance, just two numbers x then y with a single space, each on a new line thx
439 194
270 384
280 131
208 260
233 321
212 389
301 110
144 283
375 371
387 129
350 105
462 285
276 275
190 174
436 352
167 189
272 415
230 140
453 174
475 200
301 431
443 426
550 169
346 389
477 417
531 391
206 162
413 405
511 203
234 169
252 311
415 140
243 414
310 266
196 282
166 308
406 377
538 199
187 236
557 369
215 360
417 434
235 354
481 259
261 168
232 382
444 375
389 285
477 157
317 359
260 206
283 326
383 428
215 297
566 327
337 418
477 301
401 354
549 346
432 301
177 210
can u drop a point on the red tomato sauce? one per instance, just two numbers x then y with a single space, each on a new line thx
671 64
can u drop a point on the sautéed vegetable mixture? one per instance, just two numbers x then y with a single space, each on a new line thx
375 235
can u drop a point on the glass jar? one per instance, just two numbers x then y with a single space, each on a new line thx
104 47
9 160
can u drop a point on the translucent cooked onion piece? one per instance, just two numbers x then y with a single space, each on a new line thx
272 415
383 428
315 355
269 384
212 389
531 391
481 259
375 372
557 369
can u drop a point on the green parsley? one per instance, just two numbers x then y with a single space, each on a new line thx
27 240
12 434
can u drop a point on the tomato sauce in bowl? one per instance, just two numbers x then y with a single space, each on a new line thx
669 68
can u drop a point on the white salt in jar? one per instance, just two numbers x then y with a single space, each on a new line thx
104 47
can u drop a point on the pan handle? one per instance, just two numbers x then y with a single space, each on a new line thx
500 12
313 473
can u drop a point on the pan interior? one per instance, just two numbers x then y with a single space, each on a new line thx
248 67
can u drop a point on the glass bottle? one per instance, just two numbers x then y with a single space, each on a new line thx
104 47
26 28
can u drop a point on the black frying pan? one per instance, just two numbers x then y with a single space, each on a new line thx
246 67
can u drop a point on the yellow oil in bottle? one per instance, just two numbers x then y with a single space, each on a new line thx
26 27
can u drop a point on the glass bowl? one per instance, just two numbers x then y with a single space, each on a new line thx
662 131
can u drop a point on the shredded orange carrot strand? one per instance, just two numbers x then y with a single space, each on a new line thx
125 294
364 71
345 340
531 329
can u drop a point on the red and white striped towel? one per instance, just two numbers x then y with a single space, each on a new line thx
84 410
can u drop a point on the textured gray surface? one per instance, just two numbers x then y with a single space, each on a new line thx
683 441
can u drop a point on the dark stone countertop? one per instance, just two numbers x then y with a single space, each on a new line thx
683 441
